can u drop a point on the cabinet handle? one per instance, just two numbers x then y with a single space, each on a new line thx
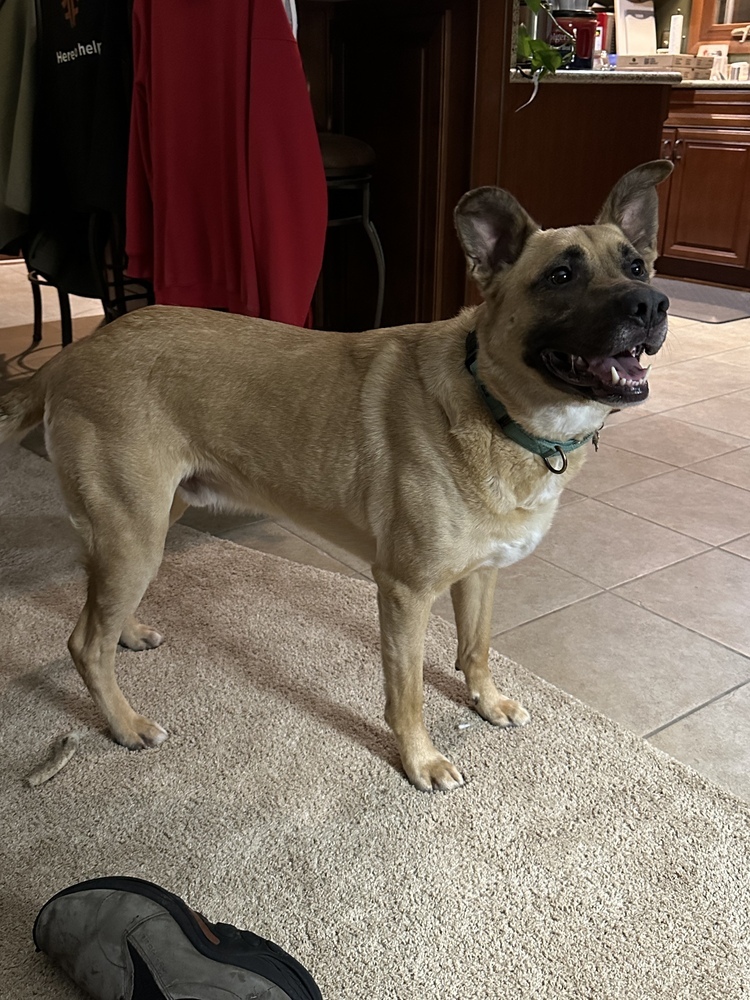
666 146
677 156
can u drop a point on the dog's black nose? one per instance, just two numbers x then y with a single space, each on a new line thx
646 305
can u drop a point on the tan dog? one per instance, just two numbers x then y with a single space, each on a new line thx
383 442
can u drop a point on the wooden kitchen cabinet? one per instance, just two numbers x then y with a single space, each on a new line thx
705 208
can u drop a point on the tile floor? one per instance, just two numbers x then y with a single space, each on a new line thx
638 601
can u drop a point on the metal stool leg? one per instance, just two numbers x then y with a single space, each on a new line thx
36 294
65 321
377 246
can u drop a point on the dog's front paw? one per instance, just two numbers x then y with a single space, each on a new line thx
140 733
501 711
434 773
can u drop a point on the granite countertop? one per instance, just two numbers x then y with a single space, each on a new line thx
603 76
716 84
632 76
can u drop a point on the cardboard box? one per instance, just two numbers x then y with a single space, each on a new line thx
669 63
661 62
643 62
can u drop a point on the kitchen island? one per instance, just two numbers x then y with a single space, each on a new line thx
428 84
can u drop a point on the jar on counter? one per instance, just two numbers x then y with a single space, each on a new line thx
581 24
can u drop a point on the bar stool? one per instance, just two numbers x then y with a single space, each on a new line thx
117 292
66 322
348 164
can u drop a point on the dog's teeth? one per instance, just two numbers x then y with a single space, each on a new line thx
646 373
623 381
615 376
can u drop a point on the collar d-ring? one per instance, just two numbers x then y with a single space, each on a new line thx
563 456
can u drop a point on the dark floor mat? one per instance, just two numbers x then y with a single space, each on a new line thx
704 302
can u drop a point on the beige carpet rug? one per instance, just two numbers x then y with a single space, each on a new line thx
577 862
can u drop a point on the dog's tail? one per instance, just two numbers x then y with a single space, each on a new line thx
23 407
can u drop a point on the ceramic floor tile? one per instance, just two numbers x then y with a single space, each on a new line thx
705 509
609 546
526 590
610 467
335 551
267 536
217 522
733 468
628 415
17 304
729 413
740 356
740 546
709 594
692 382
698 340
570 496
715 741
672 441
631 665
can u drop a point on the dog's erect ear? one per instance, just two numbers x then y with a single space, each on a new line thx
493 229
633 205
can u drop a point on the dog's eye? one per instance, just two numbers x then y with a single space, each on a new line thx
638 268
561 275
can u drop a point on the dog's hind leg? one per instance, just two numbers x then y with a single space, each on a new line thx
404 613
124 545
134 635
472 606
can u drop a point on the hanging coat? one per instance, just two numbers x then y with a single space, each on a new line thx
17 72
226 196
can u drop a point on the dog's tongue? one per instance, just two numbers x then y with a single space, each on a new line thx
625 365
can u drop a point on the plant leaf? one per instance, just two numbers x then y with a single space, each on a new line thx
523 44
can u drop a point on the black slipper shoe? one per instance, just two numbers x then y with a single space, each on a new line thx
128 939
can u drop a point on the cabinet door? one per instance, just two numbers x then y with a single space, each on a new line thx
708 217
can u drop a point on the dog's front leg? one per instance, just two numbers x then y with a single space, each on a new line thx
404 613
472 605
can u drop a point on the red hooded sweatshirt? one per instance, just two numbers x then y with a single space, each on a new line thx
226 194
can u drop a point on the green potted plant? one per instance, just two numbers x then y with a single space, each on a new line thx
535 56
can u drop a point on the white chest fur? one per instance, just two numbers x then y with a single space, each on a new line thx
505 553
519 533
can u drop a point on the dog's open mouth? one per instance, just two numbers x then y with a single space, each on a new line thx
618 379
